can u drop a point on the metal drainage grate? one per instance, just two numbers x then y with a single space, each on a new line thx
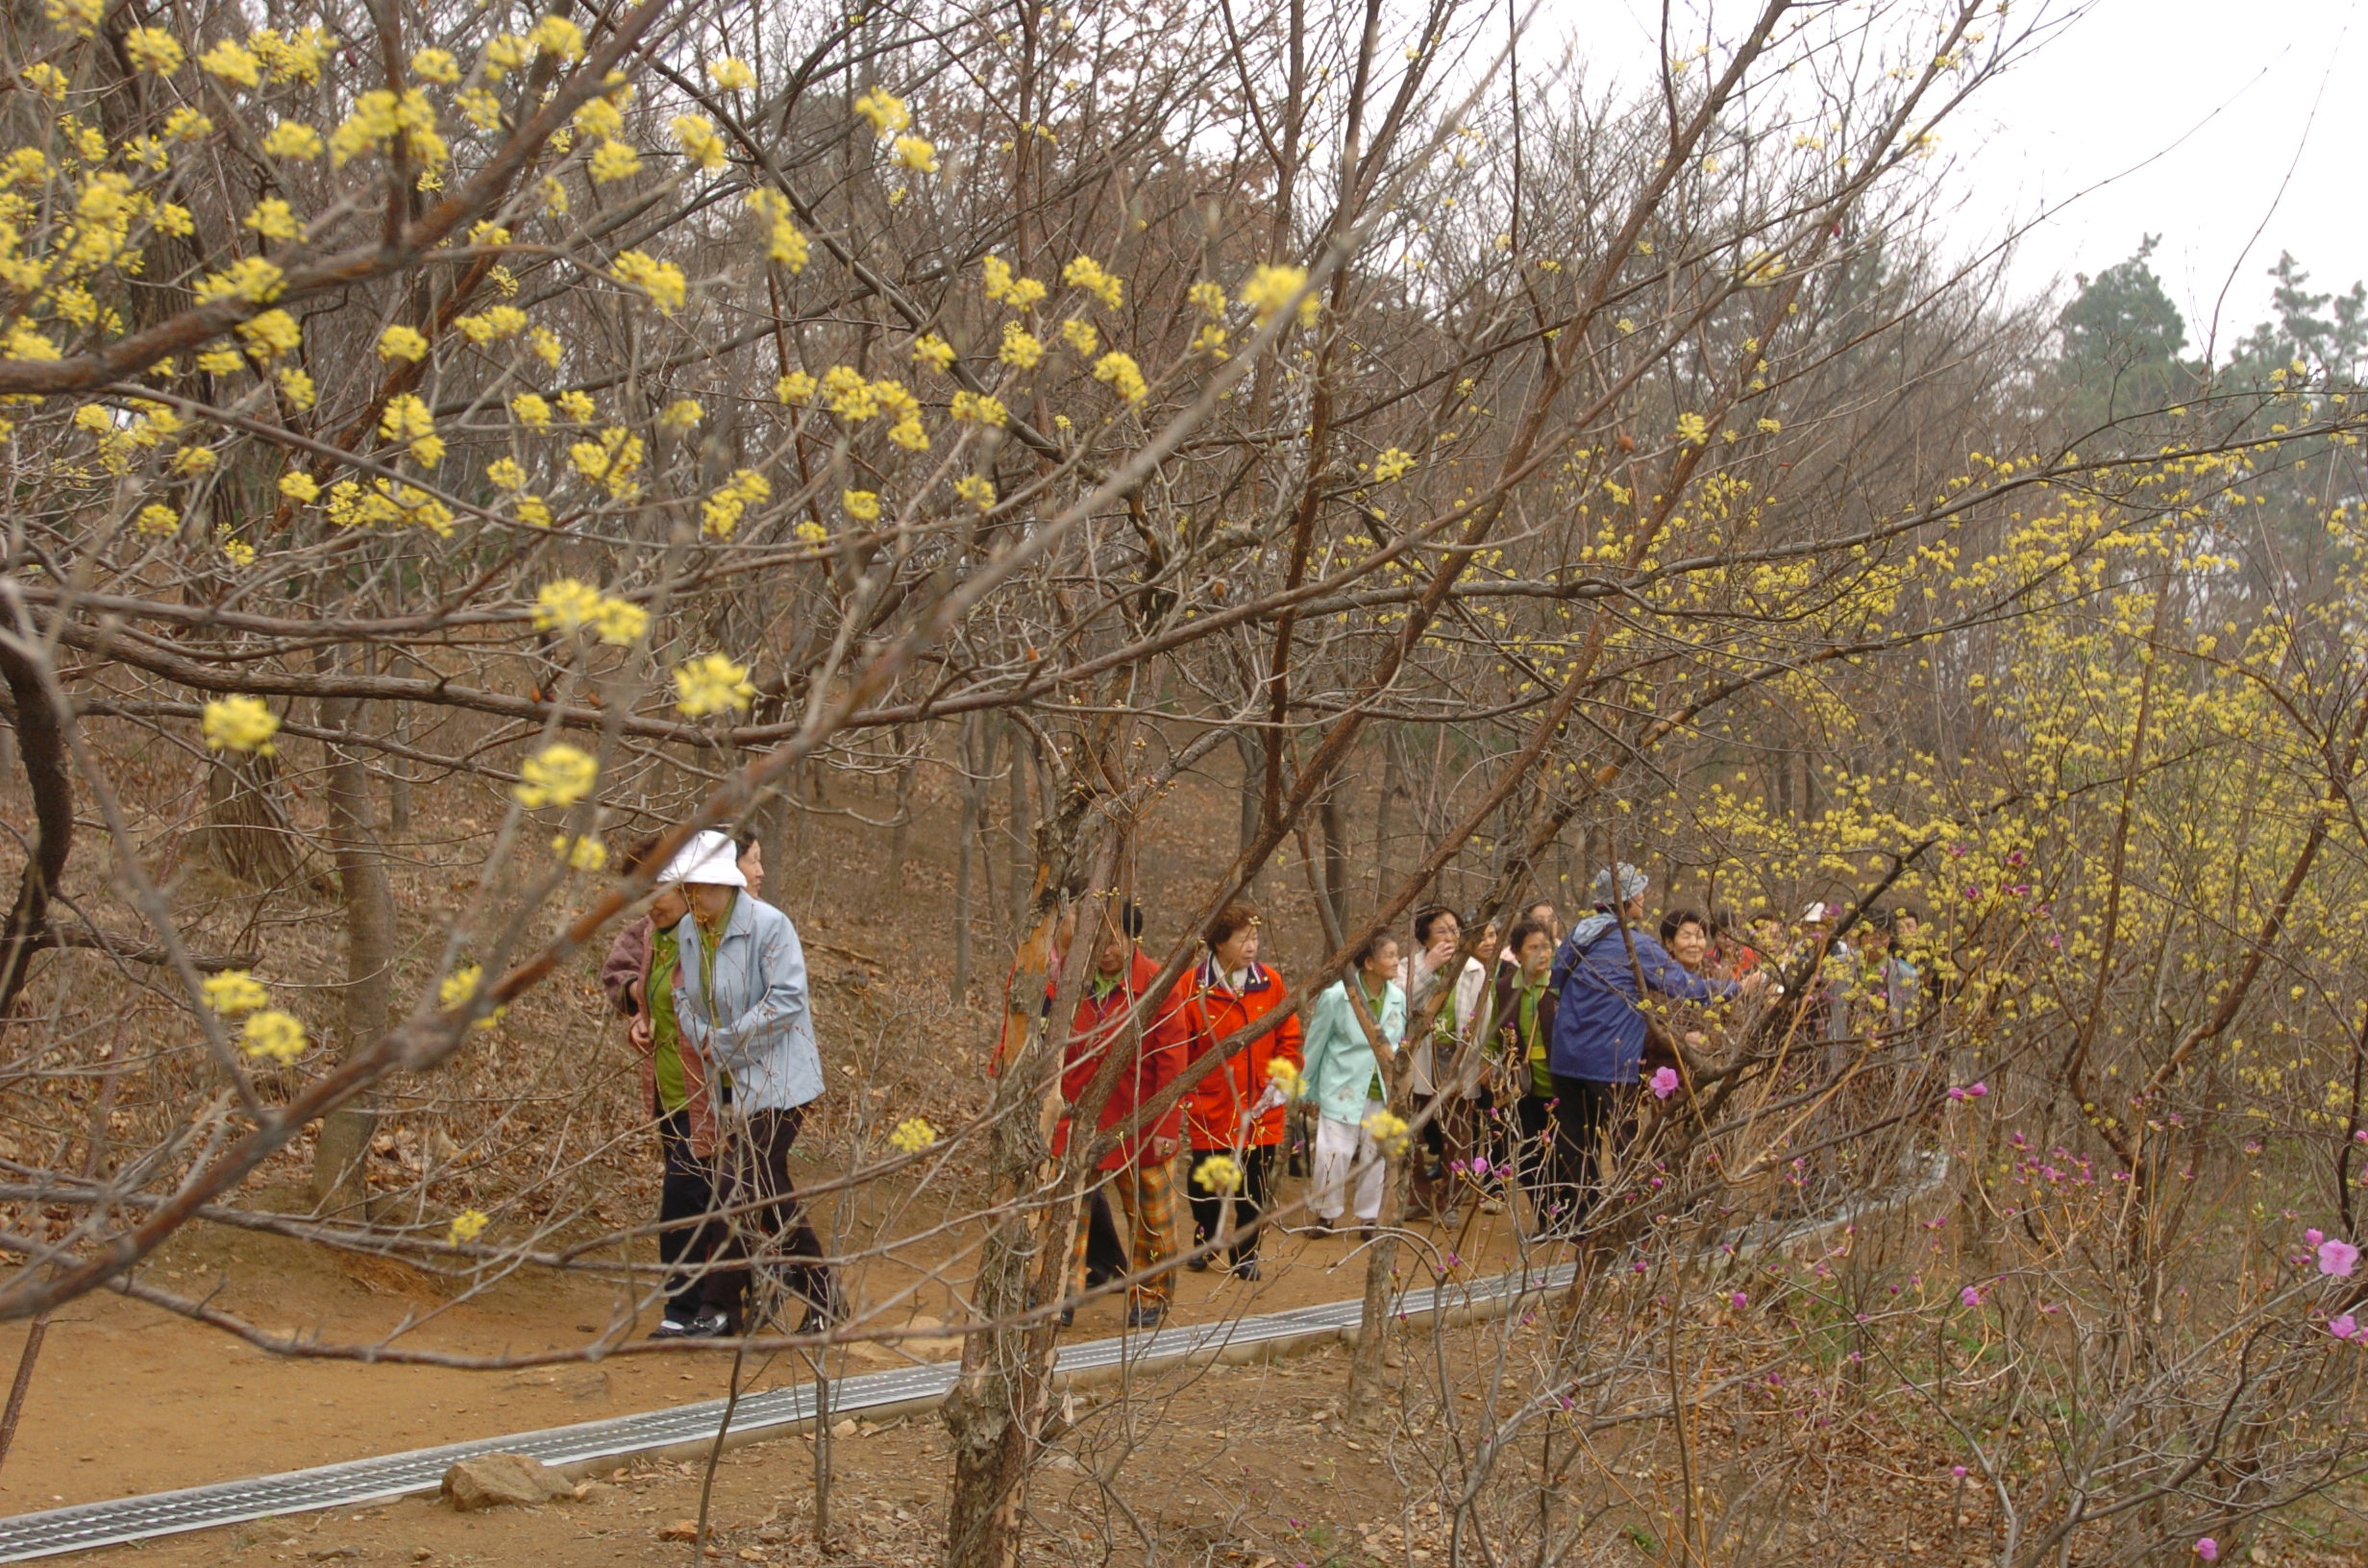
416 1470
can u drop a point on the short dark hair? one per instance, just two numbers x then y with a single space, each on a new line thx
1428 916
1536 904
1369 949
1677 919
1130 919
1524 929
1233 918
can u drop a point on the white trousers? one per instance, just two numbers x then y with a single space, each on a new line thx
1339 1147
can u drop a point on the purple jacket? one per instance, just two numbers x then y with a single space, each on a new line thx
1598 1029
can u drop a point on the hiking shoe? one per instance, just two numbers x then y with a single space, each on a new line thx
1246 1269
1146 1315
1069 1317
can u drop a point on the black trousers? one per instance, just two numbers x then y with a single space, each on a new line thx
1249 1200
1586 1112
688 1230
1106 1255
773 1233
1533 1153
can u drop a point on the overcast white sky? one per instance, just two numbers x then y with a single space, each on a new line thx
2199 108
2219 94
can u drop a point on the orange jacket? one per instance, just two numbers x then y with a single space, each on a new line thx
1202 1009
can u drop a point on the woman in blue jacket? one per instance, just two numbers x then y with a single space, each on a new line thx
742 1001
1599 977
1342 1075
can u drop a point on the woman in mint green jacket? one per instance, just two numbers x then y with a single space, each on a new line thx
1344 1077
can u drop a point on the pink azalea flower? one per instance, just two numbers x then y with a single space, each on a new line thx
1977 1089
1971 1296
2311 1238
2338 1258
1740 1300
2207 1549
2344 1327
1957 1470
1665 1083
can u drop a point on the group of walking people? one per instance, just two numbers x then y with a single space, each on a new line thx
1525 1064
1525 1061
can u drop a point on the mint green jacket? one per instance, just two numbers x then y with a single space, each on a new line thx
1339 1060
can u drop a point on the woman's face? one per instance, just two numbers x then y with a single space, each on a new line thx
1239 950
1537 955
752 867
1447 935
668 908
709 900
1382 966
1688 945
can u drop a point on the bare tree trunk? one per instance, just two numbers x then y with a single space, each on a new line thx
1392 790
247 829
901 840
974 796
1023 852
399 778
51 783
340 1162
1254 768
1333 831
1000 1403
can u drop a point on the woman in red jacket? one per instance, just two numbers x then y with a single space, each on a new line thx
1150 1061
1230 1112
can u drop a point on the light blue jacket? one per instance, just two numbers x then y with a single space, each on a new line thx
760 1026
1339 1060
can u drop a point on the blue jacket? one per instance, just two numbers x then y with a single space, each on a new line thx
1598 1029
1340 1060
758 1023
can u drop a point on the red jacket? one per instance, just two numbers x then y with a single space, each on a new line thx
1100 1027
1201 1011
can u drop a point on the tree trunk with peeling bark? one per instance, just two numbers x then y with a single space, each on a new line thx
1000 1404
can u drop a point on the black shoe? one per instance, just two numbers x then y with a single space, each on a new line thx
1069 1317
1145 1316
1366 1233
1198 1262
822 1315
1246 1269
707 1323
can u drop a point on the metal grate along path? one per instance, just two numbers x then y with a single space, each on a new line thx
417 1470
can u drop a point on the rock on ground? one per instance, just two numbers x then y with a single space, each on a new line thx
490 1480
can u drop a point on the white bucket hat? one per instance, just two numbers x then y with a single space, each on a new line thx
709 858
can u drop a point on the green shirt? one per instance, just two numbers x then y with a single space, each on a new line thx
1376 1090
665 1036
1532 1040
